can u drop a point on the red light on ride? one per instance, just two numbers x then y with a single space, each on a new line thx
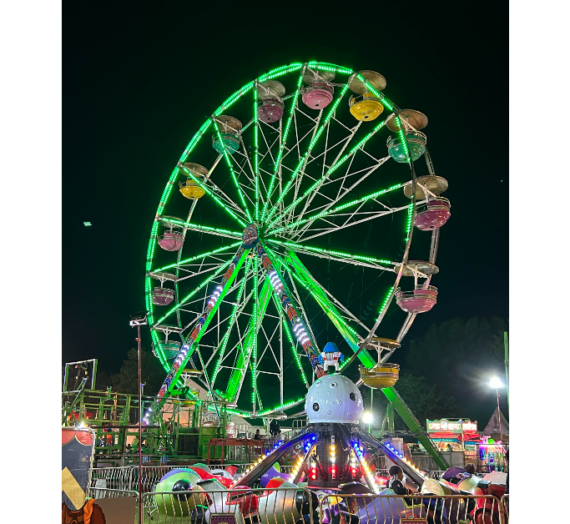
333 472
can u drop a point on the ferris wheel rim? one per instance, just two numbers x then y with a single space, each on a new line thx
233 206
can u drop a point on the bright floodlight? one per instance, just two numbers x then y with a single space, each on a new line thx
367 417
495 383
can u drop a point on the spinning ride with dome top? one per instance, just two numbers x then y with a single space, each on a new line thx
293 205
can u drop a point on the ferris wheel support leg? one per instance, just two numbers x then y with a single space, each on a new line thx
232 322
288 306
199 328
236 380
329 308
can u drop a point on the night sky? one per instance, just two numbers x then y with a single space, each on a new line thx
140 78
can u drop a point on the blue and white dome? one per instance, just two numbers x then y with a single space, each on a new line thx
334 398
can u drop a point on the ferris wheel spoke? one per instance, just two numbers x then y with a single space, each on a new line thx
268 347
310 147
201 286
337 209
223 200
244 356
201 256
202 270
270 147
233 318
284 135
232 172
289 335
335 227
339 256
335 166
341 192
317 131
202 229
329 303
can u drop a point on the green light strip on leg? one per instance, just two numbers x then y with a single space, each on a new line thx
231 323
240 368
253 365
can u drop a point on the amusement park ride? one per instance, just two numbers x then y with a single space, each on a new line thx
294 169
281 171
233 288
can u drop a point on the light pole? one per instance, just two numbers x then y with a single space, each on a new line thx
138 321
496 383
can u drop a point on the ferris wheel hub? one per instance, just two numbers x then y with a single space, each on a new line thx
250 235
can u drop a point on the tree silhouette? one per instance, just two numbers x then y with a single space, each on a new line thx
127 379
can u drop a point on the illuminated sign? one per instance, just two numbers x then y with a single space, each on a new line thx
454 426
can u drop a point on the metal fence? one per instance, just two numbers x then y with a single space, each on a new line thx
111 478
127 477
505 504
301 506
277 506
103 493
392 509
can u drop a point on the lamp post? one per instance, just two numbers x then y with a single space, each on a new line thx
495 384
138 321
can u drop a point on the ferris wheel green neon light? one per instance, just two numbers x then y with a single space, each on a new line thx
280 187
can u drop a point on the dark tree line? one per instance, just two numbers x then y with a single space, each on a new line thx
126 380
446 372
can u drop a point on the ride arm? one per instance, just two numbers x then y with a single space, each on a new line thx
261 468
412 473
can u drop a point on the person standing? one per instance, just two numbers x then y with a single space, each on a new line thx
508 488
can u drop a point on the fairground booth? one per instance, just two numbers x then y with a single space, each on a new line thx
461 441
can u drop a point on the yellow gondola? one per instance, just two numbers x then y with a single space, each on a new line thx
380 376
191 190
365 107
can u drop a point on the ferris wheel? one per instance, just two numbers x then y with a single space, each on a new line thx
291 211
